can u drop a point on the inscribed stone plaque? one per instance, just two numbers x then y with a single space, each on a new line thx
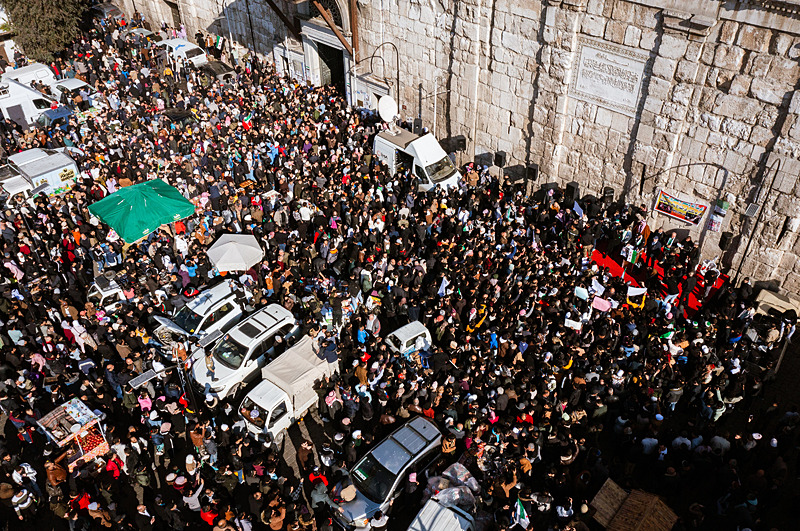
608 75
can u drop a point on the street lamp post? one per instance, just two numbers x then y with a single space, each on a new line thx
371 58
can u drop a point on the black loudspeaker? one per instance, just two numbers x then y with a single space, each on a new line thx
461 143
725 240
500 159
532 172
572 193
608 195
417 126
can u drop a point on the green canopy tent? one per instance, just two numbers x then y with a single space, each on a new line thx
136 211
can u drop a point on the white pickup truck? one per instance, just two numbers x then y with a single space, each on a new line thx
286 392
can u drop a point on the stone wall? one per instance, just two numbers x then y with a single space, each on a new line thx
696 98
251 24
714 117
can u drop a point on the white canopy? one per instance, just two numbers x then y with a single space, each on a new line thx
235 252
296 370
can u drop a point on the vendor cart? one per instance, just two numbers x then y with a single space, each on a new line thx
75 426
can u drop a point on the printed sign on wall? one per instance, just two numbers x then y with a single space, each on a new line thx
682 210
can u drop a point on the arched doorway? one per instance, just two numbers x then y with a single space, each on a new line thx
326 58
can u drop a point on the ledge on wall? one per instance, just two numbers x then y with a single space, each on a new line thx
695 27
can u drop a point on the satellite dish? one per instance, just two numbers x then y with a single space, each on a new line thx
387 109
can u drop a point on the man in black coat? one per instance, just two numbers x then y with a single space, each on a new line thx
745 291
143 520
688 287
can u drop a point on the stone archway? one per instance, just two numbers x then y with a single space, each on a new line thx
338 10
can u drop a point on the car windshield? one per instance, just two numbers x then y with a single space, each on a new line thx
87 88
230 353
440 171
372 479
95 297
187 319
194 52
252 413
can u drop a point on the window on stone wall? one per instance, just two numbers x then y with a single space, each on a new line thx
333 9
784 230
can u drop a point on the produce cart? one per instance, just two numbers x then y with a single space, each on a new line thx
77 427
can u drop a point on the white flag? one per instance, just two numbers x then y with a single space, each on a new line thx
443 287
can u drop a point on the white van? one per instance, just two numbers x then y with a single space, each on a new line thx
402 150
409 339
436 517
176 49
37 72
21 103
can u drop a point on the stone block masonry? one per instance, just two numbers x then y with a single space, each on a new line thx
698 99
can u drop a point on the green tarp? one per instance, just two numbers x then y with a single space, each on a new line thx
136 211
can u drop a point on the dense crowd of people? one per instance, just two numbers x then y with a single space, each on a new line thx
546 374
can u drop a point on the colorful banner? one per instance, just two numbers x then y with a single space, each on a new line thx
682 210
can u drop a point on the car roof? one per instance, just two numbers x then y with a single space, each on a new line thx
176 113
72 83
217 67
435 516
398 137
177 42
406 442
204 301
408 331
265 393
59 112
260 324
33 67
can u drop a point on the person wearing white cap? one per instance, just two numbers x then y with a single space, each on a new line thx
101 514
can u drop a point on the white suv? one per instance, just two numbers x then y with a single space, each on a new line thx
211 313
241 353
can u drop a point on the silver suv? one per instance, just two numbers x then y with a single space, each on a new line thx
378 476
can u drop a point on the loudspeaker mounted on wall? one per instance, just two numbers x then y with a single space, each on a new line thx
725 240
532 172
608 195
572 192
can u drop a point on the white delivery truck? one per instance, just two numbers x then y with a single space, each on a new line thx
38 170
286 392
402 150
21 103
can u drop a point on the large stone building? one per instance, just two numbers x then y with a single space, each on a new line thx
695 98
